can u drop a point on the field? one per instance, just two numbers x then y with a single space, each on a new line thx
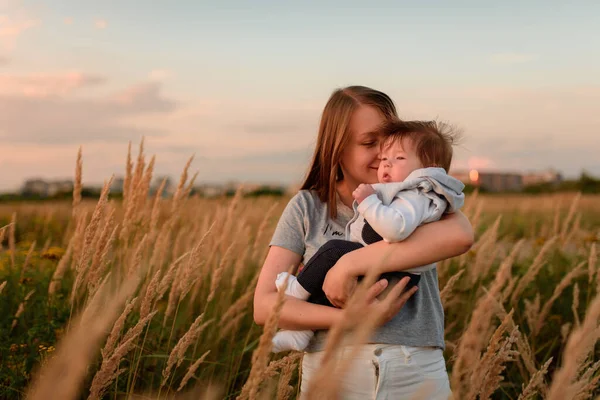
152 297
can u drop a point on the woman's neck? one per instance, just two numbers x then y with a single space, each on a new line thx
345 189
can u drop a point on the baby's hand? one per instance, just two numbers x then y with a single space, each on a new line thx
362 192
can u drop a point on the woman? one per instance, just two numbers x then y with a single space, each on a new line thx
406 350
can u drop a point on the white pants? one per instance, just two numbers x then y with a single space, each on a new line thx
384 372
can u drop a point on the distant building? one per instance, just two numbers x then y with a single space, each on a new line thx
208 190
500 181
56 187
491 181
548 176
117 185
462 175
169 186
42 188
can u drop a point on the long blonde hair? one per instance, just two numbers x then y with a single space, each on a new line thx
334 135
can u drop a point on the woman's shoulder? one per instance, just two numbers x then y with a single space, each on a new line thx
308 199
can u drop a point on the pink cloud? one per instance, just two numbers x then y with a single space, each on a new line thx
35 117
479 163
145 96
44 85
68 21
159 74
100 24
13 26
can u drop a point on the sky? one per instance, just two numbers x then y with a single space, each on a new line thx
241 85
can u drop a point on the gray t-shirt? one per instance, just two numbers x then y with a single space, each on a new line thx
305 226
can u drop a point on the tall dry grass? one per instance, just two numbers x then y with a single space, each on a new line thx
152 296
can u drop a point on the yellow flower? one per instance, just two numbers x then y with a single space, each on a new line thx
53 253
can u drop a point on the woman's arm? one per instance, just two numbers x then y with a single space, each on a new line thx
433 242
295 314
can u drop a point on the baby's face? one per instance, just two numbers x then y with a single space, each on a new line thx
398 160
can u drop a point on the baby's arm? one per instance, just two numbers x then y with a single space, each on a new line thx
398 220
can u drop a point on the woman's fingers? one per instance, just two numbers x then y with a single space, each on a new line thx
396 298
397 290
340 300
337 301
377 288
405 296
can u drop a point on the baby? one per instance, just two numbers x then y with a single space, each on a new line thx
414 188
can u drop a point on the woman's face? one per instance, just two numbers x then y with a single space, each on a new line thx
360 159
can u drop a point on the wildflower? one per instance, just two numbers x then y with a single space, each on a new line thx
53 253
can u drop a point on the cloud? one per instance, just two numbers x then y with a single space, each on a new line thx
100 24
233 139
480 163
516 127
284 123
55 120
144 97
44 85
285 166
4 60
28 160
159 75
12 26
512 58
68 21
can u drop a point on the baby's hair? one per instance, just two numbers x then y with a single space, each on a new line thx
433 140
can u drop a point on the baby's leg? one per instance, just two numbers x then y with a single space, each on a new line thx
286 340
292 288
313 274
308 285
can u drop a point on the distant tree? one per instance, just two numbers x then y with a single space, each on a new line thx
266 191
588 184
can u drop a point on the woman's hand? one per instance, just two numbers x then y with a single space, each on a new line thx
395 299
383 310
